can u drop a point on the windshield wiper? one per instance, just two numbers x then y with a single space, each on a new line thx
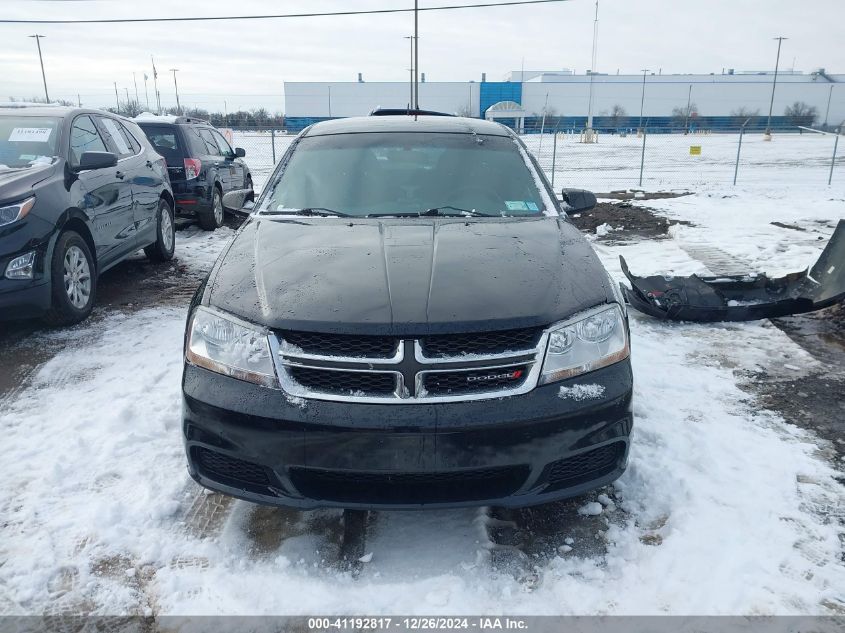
310 211
457 212
436 211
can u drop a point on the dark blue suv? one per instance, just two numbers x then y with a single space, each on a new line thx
201 163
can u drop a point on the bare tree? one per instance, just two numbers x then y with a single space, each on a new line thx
799 113
617 113
741 114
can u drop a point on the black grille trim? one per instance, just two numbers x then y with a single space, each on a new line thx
444 383
342 345
588 465
220 466
408 488
481 343
344 382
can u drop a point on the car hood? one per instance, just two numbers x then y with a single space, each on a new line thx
18 183
404 276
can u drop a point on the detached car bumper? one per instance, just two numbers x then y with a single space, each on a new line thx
256 444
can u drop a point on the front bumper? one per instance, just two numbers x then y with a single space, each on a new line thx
253 443
21 299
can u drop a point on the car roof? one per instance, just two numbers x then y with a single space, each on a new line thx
406 123
165 119
15 109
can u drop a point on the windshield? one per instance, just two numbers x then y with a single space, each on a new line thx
384 173
27 140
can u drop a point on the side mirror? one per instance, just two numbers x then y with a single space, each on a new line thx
239 152
236 201
578 199
96 160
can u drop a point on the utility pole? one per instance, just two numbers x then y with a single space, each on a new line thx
146 94
135 81
768 135
689 102
416 55
41 60
642 102
127 100
588 135
176 85
79 99
411 69
116 98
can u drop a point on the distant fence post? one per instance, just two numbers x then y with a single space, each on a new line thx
554 158
273 143
833 160
739 147
642 157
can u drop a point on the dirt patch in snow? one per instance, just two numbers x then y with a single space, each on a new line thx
623 221
811 401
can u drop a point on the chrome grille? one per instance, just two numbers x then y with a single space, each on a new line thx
409 370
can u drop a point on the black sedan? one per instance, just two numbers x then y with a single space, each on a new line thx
80 190
407 319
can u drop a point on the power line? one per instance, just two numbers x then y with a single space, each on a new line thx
284 15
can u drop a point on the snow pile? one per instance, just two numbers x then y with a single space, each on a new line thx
581 392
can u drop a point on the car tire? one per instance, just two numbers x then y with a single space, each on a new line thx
163 248
251 195
213 218
73 275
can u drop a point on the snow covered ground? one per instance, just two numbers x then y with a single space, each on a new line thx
724 509
614 162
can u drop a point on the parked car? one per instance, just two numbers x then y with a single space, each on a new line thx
202 165
407 319
80 190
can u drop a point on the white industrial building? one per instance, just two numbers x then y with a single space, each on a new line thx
567 95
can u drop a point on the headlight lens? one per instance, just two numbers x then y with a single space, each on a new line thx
21 267
227 345
13 212
586 342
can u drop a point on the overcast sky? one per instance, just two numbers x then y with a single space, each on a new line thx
246 62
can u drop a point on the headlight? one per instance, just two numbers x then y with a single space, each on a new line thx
227 345
588 341
13 212
21 267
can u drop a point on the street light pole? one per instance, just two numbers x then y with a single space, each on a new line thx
780 40
116 98
416 55
175 85
411 69
642 101
41 60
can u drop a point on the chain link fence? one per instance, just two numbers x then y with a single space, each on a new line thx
662 161
628 159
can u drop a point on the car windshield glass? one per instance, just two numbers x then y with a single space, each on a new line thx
406 173
27 140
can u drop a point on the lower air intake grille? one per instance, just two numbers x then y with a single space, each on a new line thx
589 465
408 488
219 465
343 382
443 345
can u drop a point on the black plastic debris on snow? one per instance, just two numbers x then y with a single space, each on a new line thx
744 297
